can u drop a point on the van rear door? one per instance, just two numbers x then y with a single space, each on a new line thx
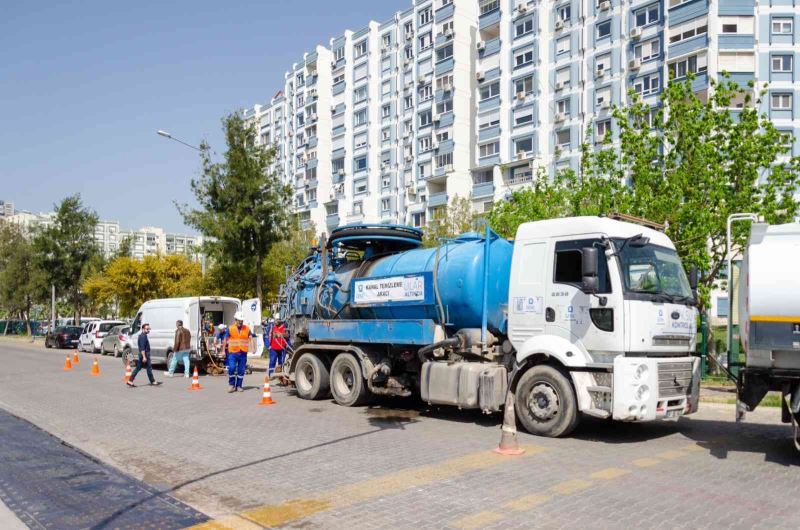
251 311
194 323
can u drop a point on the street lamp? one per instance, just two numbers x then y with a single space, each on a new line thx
165 134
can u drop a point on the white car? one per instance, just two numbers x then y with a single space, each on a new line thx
93 333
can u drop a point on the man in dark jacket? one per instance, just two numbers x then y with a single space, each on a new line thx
181 349
144 357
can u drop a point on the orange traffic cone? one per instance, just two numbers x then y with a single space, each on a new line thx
128 372
509 446
195 381
67 364
266 397
75 357
95 367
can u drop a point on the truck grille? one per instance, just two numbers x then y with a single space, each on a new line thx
674 379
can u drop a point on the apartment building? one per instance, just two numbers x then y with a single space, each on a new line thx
471 98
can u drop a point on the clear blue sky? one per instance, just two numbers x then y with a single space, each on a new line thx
85 85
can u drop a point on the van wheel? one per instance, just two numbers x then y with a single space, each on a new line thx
311 377
546 403
347 382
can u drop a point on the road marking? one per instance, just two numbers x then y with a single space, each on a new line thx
232 522
671 455
570 486
293 510
646 462
694 447
527 502
476 520
609 473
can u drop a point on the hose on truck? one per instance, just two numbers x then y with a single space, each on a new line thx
423 352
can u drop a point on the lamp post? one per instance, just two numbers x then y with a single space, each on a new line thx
165 134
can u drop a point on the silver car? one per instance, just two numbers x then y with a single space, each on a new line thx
118 341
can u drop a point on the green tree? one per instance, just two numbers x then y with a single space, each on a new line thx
66 250
22 282
449 221
244 207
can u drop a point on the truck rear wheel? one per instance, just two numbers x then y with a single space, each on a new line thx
546 403
311 377
347 381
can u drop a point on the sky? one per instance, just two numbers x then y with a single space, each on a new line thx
85 85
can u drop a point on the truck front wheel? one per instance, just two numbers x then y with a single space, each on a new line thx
347 382
311 377
546 403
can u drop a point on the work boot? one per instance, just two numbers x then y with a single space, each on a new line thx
231 389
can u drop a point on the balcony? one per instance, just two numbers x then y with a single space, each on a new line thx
489 19
312 142
736 42
445 66
490 48
482 189
437 199
488 133
688 46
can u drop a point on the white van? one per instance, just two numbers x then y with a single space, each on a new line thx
163 313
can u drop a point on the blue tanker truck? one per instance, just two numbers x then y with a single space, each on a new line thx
577 316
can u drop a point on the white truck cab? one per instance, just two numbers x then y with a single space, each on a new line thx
620 320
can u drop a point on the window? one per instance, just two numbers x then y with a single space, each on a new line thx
489 149
418 219
332 209
408 102
425 16
386 111
360 117
360 49
386 41
444 106
425 92
483 177
360 72
386 88
386 205
603 128
444 83
312 195
603 62
523 116
563 139
563 76
360 163
524 145
523 27
564 13
447 27
443 136
562 107
409 53
408 28
723 307
444 52
337 165
648 51
688 30
487 6
524 85
358 208
300 80
444 160
737 62
690 65
646 15
360 141
424 144
604 29
425 118
603 95
781 63
647 85
523 58
338 54
782 25
737 24
338 78
386 134
360 94
425 41
521 174
569 264
386 65
563 45
490 91
486 122
781 102
424 170
386 182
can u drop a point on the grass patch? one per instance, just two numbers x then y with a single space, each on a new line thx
770 400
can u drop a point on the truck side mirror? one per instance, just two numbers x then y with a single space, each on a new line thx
589 270
694 276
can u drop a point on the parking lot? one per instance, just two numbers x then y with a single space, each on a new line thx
399 464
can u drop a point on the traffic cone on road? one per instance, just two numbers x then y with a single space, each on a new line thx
75 357
266 397
509 446
67 364
128 372
95 367
195 381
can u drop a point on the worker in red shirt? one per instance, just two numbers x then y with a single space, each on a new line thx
277 344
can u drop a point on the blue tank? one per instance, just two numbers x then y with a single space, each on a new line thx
366 262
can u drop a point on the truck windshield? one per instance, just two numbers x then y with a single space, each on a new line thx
653 271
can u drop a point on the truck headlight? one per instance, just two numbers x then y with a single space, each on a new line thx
641 372
642 393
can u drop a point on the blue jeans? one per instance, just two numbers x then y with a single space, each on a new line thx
276 357
237 362
182 356
147 365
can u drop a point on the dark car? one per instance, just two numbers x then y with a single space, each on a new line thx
63 337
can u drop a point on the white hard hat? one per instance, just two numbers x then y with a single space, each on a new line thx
276 316
238 316
222 326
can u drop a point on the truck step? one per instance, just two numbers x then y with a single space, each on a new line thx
601 389
597 413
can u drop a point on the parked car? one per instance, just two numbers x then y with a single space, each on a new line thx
117 341
93 334
63 337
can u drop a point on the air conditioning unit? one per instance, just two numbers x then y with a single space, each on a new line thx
481 45
634 64
521 96
448 32
480 76
421 79
435 116
636 33
409 158
333 195
604 104
522 8
521 155
559 117
383 166
312 117
407 61
333 65
605 5
448 168
406 134
559 85
333 109
559 25
600 71
434 145
410 83
341 172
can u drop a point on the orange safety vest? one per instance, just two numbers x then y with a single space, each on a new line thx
239 339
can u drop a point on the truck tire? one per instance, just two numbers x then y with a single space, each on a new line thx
545 402
348 386
311 377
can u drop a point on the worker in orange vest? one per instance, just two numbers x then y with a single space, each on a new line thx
238 343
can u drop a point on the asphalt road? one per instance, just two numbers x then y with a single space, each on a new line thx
301 464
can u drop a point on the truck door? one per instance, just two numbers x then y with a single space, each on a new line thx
527 290
251 311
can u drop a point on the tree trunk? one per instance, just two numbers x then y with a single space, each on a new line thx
28 318
259 274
